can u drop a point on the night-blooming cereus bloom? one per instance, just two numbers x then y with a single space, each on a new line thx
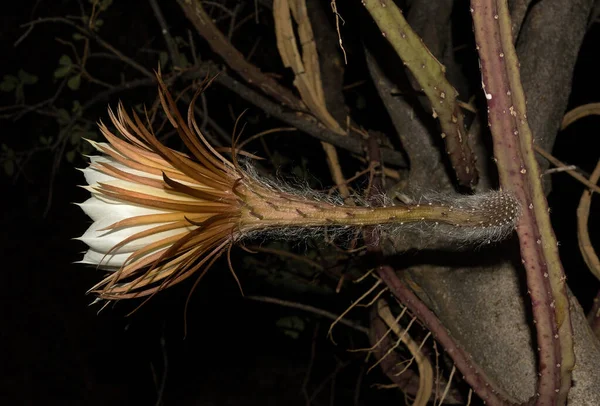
160 215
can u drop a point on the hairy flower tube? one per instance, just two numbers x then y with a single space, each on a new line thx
160 216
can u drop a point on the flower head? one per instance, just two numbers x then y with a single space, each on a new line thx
159 215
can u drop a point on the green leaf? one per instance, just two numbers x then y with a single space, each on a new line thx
78 37
292 326
63 117
9 167
65 60
9 83
10 79
7 86
9 151
27 78
104 4
163 58
70 156
180 42
44 140
74 82
76 108
183 61
62 72
99 22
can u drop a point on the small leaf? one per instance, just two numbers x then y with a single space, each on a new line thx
77 36
11 79
10 153
183 61
76 108
74 82
104 4
63 117
180 42
27 78
9 83
291 326
9 167
44 140
163 58
62 72
7 86
65 60
70 156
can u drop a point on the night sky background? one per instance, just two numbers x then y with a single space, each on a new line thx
56 349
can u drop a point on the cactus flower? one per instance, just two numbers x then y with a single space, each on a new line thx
160 215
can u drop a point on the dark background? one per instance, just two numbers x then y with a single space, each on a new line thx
56 349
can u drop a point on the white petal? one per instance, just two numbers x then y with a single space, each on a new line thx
101 159
100 207
93 176
106 261
103 241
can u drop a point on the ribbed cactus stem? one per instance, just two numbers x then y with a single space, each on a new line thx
519 173
486 216
430 74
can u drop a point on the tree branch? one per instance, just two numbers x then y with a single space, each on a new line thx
303 122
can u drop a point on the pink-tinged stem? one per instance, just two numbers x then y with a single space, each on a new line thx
472 374
519 173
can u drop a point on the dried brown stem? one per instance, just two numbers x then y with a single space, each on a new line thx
220 44
583 236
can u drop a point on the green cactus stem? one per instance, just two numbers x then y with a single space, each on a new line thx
519 173
429 73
